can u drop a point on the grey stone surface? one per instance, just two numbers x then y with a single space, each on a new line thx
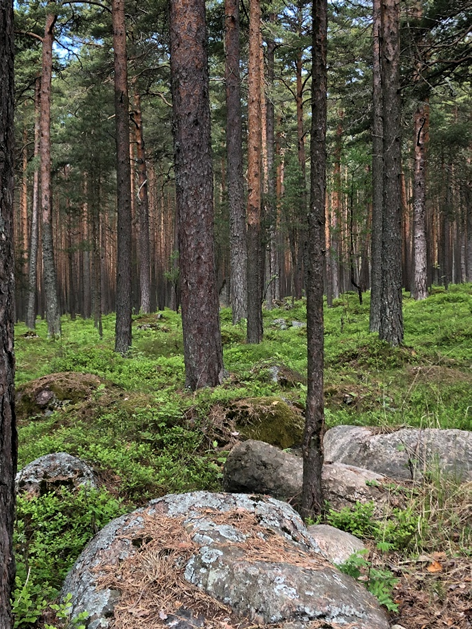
257 467
296 588
407 453
60 468
279 323
336 545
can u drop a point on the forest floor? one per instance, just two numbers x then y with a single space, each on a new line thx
146 436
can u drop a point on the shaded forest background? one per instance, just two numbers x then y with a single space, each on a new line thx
435 49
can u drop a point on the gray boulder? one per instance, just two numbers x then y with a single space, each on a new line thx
336 545
405 454
53 470
257 467
252 557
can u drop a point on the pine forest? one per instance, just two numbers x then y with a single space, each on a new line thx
235 314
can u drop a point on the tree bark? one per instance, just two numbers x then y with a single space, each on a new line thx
143 208
203 353
123 176
49 268
312 448
8 436
420 280
30 318
272 274
254 244
237 210
391 315
377 174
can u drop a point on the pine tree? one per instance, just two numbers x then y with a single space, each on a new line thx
203 352
8 437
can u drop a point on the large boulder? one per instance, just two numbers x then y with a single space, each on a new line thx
257 467
203 559
52 470
405 454
268 419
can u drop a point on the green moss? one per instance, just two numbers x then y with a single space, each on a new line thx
268 419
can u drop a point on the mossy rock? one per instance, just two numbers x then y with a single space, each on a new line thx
279 373
268 419
46 394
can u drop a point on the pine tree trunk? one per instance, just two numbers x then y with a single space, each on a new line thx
377 175
123 177
49 269
30 318
8 436
420 285
143 210
469 237
312 448
237 210
21 245
391 315
299 230
272 274
203 353
254 243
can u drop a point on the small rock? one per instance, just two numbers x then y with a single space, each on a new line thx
52 470
336 545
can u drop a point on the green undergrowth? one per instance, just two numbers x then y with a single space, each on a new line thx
146 435
51 530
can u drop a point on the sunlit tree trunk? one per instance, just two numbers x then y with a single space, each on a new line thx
312 448
391 314
237 210
272 272
420 283
8 436
377 174
254 245
49 269
203 353
123 176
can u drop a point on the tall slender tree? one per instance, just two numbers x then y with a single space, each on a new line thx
377 172
49 268
123 182
203 352
420 277
34 237
8 437
312 448
234 148
391 313
254 234
143 209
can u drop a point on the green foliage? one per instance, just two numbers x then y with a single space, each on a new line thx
397 531
379 582
64 615
51 530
